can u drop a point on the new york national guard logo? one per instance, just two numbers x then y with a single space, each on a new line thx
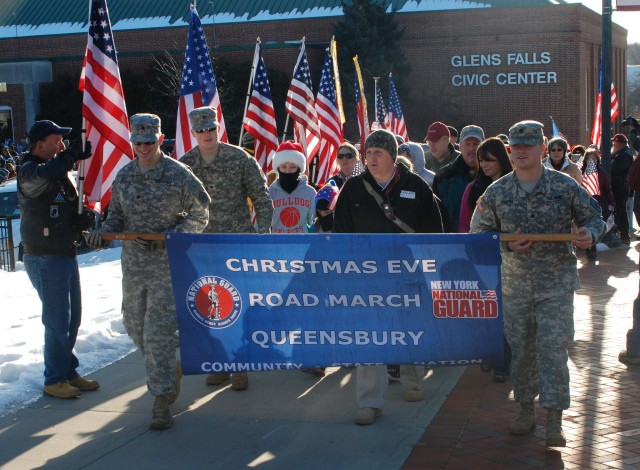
214 302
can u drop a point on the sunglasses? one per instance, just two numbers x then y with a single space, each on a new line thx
146 143
208 129
346 155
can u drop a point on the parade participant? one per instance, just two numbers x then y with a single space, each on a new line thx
451 181
153 194
291 195
51 229
538 278
559 160
386 198
230 176
349 164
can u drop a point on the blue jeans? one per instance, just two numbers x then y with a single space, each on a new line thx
57 281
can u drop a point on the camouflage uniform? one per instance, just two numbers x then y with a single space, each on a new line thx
538 284
230 179
166 198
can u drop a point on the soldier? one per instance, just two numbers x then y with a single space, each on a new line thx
230 176
153 194
538 279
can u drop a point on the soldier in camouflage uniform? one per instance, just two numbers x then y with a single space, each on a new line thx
538 278
153 194
230 176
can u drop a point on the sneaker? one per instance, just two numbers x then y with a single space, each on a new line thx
413 395
174 397
628 359
83 384
61 390
366 416
217 379
239 381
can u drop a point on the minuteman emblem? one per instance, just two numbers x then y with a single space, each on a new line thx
214 302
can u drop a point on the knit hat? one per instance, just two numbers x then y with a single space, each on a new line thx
327 193
383 139
290 152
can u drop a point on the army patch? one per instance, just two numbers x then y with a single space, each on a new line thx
54 211
480 205
59 198
203 197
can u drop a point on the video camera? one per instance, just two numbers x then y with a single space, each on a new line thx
631 121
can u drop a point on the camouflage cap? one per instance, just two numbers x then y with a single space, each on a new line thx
144 128
203 118
383 139
526 133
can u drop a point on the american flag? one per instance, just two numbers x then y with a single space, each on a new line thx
329 120
396 118
590 180
488 295
361 105
197 87
260 119
104 110
596 130
301 106
381 109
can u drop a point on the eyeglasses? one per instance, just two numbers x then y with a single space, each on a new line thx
145 143
208 129
346 155
559 149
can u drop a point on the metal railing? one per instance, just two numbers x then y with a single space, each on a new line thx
7 249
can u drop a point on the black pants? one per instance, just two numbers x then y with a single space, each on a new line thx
622 221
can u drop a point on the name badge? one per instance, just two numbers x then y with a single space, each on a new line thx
407 194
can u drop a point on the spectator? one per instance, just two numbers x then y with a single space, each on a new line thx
349 164
415 154
559 160
441 151
621 160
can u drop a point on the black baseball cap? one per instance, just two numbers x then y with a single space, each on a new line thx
43 129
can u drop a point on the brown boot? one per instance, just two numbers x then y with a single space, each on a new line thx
526 420
174 397
555 436
217 378
161 415
239 381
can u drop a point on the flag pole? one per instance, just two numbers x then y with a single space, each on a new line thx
256 54
286 124
83 135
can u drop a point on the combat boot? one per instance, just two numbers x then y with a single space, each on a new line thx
161 415
526 420
555 436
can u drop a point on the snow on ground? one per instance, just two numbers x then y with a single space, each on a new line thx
102 339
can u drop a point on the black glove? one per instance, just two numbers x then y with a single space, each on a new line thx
94 239
75 151
84 221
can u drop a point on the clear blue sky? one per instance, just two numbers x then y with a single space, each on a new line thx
630 20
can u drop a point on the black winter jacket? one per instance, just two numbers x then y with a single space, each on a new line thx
48 201
411 198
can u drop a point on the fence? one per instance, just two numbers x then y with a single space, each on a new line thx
8 252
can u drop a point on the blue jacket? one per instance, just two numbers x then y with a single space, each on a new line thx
449 185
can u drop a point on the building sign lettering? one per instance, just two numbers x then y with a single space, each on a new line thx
503 76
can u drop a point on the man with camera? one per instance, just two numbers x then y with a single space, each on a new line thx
621 161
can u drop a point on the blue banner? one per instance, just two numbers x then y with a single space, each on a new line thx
272 302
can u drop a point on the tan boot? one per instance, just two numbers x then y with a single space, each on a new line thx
555 436
239 381
61 390
526 420
217 379
84 385
161 415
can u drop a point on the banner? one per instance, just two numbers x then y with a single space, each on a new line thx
273 302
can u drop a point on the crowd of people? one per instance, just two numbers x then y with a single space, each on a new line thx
519 182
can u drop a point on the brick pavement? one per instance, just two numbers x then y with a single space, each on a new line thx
603 424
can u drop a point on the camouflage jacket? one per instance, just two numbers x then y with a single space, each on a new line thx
547 268
230 179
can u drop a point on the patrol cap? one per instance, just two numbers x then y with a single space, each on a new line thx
203 118
383 139
526 133
144 128
471 131
43 129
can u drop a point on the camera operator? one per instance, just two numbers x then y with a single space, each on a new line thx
634 141
621 161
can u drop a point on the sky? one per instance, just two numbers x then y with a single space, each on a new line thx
102 339
630 20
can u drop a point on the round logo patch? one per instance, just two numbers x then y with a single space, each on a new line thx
214 302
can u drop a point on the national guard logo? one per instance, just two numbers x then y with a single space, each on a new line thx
214 302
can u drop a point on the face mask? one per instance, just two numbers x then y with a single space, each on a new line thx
288 181
326 222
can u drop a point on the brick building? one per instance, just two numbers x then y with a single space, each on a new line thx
490 63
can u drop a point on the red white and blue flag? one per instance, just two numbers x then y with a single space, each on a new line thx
590 181
331 130
381 109
361 105
104 110
596 130
396 118
197 87
301 107
260 119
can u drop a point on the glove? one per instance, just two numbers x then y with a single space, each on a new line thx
84 221
94 238
75 151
